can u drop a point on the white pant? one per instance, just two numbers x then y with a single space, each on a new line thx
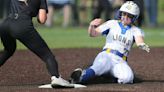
113 64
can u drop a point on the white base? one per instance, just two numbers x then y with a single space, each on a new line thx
69 86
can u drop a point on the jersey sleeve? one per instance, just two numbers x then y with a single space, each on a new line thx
43 5
105 27
138 32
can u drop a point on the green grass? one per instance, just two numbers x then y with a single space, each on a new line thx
69 38
154 37
77 37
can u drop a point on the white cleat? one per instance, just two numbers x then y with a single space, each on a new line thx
59 82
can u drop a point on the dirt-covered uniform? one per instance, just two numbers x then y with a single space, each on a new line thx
120 36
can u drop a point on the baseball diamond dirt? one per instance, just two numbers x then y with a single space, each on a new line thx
24 71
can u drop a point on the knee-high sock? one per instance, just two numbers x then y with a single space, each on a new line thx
87 75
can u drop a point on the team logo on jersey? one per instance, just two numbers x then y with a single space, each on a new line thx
25 1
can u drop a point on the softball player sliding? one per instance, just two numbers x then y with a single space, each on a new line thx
120 36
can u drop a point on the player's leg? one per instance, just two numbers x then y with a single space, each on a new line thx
36 44
123 73
82 76
100 66
9 44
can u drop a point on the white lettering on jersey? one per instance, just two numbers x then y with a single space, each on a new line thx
118 41
121 39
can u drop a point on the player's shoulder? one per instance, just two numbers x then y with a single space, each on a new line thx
112 22
135 28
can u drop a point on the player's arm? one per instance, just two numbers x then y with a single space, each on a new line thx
140 43
93 31
42 16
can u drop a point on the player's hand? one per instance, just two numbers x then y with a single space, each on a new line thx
92 27
96 22
144 47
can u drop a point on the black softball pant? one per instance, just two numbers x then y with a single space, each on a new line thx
23 30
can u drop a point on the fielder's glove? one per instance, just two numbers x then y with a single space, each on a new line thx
144 46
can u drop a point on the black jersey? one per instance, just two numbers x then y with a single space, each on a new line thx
4 8
28 7
35 5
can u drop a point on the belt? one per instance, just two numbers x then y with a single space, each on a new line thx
14 15
17 15
108 50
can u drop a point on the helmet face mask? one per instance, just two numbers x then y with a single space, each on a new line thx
127 14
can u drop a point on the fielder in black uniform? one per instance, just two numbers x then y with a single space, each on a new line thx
18 26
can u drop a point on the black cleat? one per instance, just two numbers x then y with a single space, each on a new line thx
75 76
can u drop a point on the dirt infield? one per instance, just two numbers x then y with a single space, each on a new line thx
25 71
